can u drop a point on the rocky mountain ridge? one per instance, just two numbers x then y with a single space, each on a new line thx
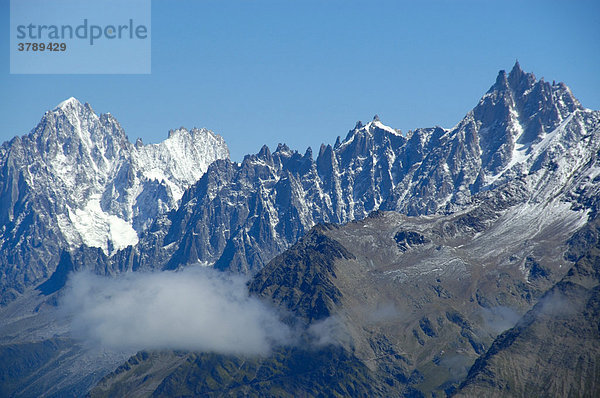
239 216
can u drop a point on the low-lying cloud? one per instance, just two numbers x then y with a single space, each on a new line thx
498 319
196 309
328 331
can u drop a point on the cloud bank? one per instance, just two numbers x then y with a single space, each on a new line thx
196 309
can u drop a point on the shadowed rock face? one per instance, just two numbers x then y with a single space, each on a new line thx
288 372
300 280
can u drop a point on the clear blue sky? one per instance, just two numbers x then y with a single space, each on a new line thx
303 72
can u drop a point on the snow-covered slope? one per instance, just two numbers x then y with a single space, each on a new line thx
78 175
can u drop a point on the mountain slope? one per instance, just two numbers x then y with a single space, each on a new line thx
412 301
288 372
554 349
77 180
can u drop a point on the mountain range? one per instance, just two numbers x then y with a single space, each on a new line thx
239 216
457 261
76 180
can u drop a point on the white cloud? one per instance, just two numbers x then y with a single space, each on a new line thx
498 319
328 331
196 309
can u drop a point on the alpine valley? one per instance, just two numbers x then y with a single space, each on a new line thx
442 262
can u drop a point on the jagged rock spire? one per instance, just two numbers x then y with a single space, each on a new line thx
516 67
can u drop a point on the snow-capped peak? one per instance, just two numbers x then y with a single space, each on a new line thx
69 102
371 129
181 159
373 126
381 126
105 189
